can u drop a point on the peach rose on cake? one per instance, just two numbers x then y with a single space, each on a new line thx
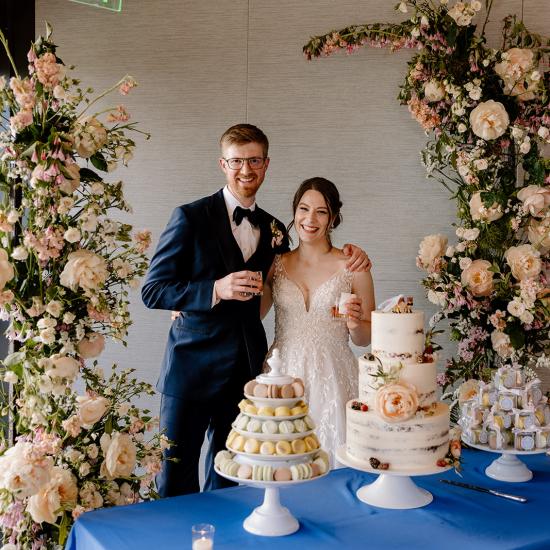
477 278
431 249
479 211
120 455
396 402
524 261
84 269
535 199
489 120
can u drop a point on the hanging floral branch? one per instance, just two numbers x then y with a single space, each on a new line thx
486 112
65 267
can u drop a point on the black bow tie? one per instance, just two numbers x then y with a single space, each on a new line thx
240 213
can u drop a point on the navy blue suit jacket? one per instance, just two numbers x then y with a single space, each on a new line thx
197 248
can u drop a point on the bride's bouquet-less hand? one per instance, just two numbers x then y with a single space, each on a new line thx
66 265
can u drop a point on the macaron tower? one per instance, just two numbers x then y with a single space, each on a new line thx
273 437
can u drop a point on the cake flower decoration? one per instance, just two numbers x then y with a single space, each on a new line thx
396 402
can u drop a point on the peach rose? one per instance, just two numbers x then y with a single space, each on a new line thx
524 261
91 346
468 390
538 233
84 269
479 211
431 248
434 91
61 491
120 455
63 366
514 70
489 120
535 199
396 402
91 409
477 278
6 269
90 136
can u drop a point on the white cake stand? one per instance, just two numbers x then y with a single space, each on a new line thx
271 519
507 467
394 488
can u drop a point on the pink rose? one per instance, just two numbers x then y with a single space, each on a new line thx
535 199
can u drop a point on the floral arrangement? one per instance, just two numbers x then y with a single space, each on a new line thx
65 268
486 112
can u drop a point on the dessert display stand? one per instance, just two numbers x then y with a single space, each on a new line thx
271 519
508 467
392 489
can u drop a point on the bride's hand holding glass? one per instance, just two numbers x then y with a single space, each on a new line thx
354 312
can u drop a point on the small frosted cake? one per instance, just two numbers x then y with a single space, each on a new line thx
510 412
397 421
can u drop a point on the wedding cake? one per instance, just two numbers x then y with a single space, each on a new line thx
397 422
510 412
273 437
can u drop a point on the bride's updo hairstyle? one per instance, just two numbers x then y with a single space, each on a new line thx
330 194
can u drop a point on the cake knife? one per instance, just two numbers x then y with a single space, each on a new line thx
515 498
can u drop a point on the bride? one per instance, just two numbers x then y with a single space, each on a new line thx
304 284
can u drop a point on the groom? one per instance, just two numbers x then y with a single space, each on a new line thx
204 267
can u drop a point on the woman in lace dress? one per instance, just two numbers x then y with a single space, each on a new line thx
303 285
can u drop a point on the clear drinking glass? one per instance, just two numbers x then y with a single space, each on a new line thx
202 536
338 310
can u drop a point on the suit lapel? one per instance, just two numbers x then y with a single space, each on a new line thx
219 220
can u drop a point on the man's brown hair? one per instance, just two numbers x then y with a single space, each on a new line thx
244 133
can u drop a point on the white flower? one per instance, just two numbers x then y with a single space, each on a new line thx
402 7
20 253
72 235
517 133
434 91
97 188
10 377
84 269
471 234
6 269
543 132
431 248
120 455
54 308
479 211
91 409
88 222
47 336
68 318
476 5
437 298
525 147
450 252
90 136
63 367
462 128
481 164
524 261
489 120
465 262
475 93
516 308
527 317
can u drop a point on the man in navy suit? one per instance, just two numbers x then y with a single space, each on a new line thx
205 267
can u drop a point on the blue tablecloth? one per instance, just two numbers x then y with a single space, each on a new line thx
331 516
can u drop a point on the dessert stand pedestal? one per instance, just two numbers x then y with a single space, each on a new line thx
393 489
271 519
508 467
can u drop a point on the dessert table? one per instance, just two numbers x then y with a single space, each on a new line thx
331 516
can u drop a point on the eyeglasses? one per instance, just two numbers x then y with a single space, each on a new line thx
254 162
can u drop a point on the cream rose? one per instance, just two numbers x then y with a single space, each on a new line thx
120 455
535 199
63 366
477 278
434 91
468 390
538 233
479 211
396 402
84 269
61 491
489 120
91 409
91 346
431 248
6 269
501 343
90 137
524 261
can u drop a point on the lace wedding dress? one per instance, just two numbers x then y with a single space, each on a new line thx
315 347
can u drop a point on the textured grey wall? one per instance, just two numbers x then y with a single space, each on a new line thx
203 65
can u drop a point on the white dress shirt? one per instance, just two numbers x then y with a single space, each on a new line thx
246 235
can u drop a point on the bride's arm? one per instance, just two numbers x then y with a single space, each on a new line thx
267 296
359 316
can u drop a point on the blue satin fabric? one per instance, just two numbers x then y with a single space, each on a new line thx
331 516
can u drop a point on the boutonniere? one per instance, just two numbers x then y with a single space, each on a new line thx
277 235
